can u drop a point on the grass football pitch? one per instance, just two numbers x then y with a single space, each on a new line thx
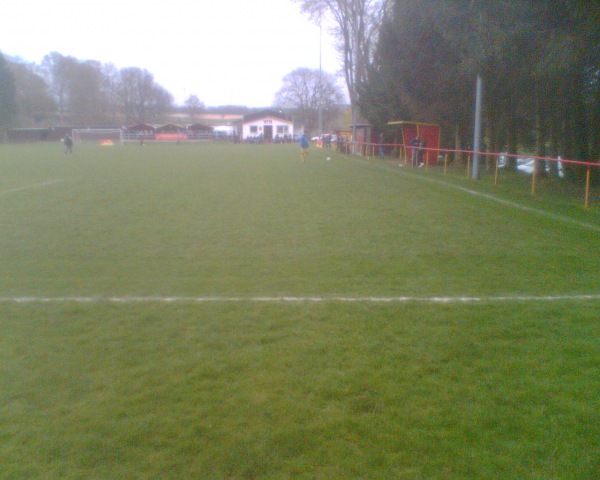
223 311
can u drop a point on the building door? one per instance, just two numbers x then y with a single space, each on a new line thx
268 133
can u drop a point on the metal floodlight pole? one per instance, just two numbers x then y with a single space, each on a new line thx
354 74
320 90
475 172
353 140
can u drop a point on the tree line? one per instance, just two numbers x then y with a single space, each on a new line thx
313 97
418 60
539 61
414 60
63 89
67 91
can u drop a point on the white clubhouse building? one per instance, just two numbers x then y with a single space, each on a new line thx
267 126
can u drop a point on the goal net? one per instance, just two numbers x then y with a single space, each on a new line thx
102 136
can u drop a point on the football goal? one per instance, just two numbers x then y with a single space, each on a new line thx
102 136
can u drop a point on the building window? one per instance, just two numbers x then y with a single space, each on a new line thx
253 129
283 129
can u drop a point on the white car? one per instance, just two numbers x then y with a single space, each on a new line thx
526 165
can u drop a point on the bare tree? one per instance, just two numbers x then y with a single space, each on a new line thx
140 97
78 88
194 106
161 101
356 26
57 71
109 87
305 91
87 105
33 98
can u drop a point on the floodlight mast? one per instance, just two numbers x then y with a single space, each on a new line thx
475 173
354 74
320 91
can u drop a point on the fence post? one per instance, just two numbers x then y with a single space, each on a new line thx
533 175
587 186
497 168
445 163
469 166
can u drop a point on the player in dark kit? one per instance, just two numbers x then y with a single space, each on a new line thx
68 141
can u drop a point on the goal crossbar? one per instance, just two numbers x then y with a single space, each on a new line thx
102 136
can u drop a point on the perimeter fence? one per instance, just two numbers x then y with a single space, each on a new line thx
574 175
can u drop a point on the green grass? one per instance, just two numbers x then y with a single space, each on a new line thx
303 389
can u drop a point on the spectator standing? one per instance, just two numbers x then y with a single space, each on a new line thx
422 147
414 150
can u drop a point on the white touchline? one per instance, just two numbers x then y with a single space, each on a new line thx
30 186
509 203
298 299
492 198
550 215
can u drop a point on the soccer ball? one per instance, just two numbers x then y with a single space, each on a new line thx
328 158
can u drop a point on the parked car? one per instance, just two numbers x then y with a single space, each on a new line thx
332 137
526 165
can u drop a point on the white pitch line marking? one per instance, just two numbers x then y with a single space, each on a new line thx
509 203
31 186
125 300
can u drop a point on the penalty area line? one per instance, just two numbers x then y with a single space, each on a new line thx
125 300
31 186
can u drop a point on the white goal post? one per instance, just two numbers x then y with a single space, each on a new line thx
102 136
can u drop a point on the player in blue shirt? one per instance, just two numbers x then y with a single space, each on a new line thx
303 146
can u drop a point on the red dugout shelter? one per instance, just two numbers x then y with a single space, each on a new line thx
431 132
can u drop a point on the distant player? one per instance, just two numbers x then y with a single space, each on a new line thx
381 152
422 147
304 146
68 141
414 143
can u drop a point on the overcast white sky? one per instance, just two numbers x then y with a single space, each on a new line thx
224 51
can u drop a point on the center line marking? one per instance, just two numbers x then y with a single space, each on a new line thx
24 300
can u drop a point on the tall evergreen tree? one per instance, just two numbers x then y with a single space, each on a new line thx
8 95
567 74
539 60
416 73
